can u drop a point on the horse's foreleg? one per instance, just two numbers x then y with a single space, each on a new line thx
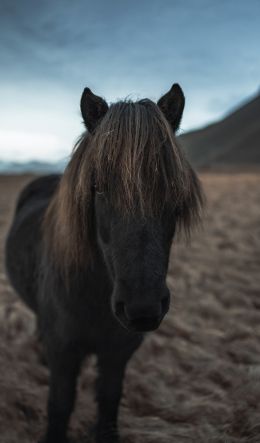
64 367
111 368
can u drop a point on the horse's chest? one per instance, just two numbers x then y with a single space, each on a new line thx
93 323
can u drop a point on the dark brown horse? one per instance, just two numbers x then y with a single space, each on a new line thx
88 250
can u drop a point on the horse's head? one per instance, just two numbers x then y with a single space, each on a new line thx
143 187
136 250
126 190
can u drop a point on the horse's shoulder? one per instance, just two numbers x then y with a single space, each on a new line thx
40 188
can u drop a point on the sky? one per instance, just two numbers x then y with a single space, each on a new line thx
50 50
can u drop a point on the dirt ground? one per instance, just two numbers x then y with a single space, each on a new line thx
196 379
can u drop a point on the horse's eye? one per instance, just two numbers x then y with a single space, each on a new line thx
97 190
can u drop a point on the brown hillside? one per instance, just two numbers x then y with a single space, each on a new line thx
235 140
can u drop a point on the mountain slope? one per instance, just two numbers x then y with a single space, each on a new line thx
235 140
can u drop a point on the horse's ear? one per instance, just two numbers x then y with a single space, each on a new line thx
93 109
172 105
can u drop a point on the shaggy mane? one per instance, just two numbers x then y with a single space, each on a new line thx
134 159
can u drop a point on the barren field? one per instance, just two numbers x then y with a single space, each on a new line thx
196 379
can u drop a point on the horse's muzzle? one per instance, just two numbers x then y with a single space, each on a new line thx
142 318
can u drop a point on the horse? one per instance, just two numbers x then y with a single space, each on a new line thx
88 250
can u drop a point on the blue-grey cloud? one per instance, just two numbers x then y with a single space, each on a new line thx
51 50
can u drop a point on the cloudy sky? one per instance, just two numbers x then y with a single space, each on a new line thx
50 50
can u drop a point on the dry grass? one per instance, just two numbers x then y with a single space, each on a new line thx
197 379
